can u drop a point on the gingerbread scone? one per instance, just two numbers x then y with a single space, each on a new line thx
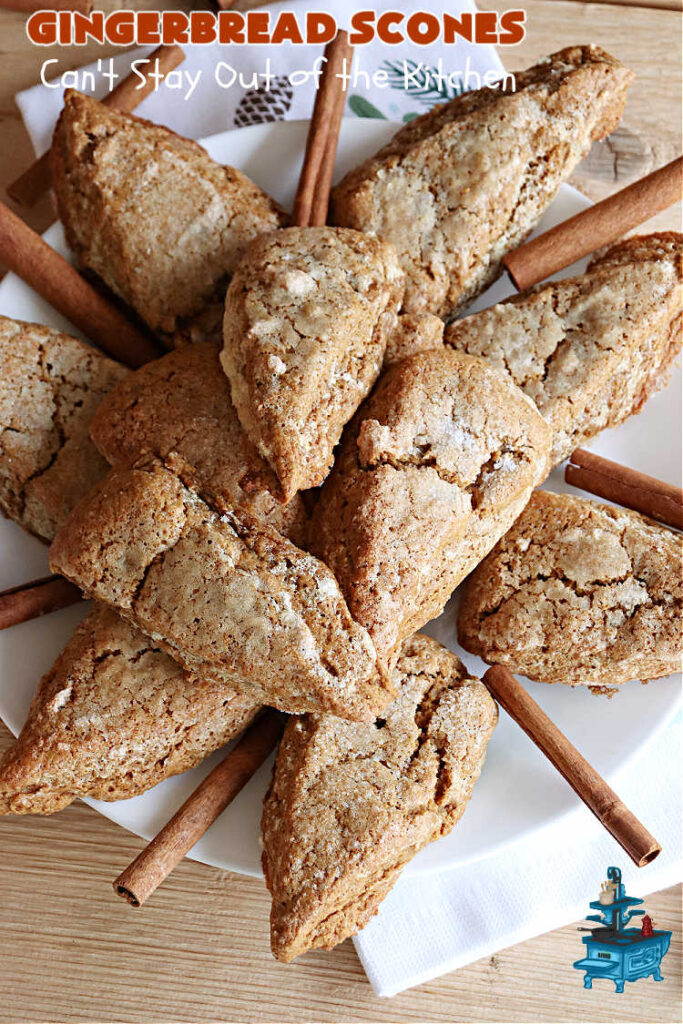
181 403
578 592
308 315
222 592
112 718
436 466
148 211
51 386
350 804
459 187
588 350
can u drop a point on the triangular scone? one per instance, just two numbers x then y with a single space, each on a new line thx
113 717
50 386
307 317
588 350
578 592
159 221
222 592
462 185
182 403
436 466
351 803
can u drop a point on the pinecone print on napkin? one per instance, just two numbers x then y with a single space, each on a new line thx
259 105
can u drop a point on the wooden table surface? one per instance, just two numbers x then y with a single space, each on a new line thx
72 951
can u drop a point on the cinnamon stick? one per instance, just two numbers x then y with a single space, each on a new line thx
600 798
627 487
200 810
599 225
29 6
19 604
312 196
49 274
126 96
323 185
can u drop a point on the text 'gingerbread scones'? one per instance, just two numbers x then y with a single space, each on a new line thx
222 592
149 212
588 350
350 804
459 187
307 318
181 403
578 592
112 718
436 466
51 385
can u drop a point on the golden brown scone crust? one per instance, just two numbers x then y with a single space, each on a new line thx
462 185
414 332
149 212
51 385
351 803
307 317
221 591
112 718
182 403
578 592
436 466
588 350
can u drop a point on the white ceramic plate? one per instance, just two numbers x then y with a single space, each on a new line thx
518 792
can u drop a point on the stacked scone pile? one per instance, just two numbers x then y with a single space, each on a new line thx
269 514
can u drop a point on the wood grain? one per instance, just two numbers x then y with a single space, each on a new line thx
72 951
669 5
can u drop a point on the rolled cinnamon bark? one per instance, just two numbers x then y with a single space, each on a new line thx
600 798
59 283
149 869
599 225
313 193
126 96
626 487
28 601
321 195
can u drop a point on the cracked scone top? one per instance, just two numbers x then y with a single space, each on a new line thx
414 332
308 315
578 592
51 385
181 403
589 350
159 221
350 804
435 467
112 718
221 591
460 186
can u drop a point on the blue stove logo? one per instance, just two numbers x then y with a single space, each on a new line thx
615 952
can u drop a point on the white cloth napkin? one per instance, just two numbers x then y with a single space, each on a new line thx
433 924
211 109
